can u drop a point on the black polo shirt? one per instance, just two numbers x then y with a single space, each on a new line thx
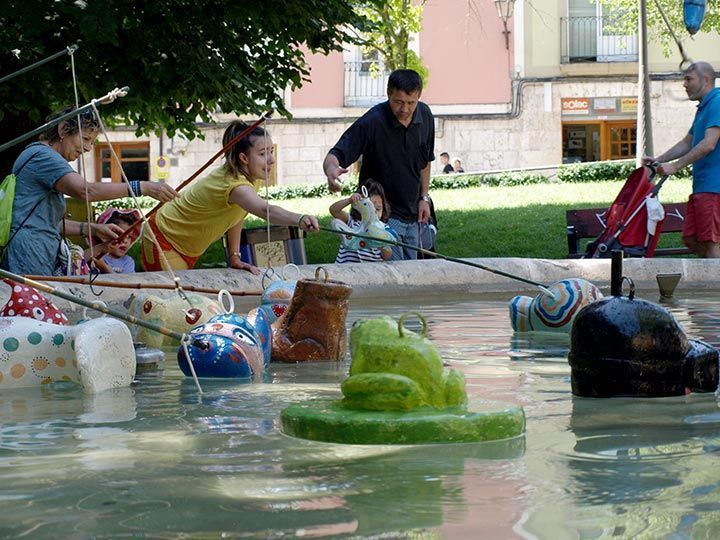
392 154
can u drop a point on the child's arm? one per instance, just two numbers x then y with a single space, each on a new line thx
336 209
100 263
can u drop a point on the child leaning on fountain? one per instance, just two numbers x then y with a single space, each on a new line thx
376 194
111 257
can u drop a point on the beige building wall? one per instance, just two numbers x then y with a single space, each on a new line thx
486 135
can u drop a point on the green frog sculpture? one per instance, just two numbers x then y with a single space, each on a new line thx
399 392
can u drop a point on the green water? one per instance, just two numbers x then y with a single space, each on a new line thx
158 461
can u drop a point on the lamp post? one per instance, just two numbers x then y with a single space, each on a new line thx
644 140
505 10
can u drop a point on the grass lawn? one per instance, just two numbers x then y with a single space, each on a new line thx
518 221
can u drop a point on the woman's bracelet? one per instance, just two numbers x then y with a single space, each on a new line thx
236 254
134 187
82 228
300 221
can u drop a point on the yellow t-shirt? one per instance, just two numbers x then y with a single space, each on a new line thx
202 214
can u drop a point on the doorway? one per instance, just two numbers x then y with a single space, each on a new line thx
598 140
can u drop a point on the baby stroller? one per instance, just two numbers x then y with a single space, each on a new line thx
634 220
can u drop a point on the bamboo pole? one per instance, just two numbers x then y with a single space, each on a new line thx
97 306
79 280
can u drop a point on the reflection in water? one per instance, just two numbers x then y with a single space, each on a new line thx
162 461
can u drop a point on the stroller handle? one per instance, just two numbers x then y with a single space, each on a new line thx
653 166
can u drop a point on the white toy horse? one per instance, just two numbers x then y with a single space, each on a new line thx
369 226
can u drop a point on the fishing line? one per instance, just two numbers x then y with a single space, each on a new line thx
686 60
397 243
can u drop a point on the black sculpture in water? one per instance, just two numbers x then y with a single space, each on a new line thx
622 346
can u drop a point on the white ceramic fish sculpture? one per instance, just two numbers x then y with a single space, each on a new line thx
97 354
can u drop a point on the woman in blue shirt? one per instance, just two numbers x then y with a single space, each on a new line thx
44 177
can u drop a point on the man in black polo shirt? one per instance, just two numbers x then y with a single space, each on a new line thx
396 140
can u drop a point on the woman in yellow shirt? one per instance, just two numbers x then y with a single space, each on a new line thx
218 203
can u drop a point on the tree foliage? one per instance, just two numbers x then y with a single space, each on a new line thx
182 59
392 24
657 29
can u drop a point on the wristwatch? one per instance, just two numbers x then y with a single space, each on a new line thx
425 198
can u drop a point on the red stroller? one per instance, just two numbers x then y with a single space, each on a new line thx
633 221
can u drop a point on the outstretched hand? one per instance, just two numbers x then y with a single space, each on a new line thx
333 173
106 232
309 223
160 191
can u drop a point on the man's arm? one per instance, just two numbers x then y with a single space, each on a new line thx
424 206
691 153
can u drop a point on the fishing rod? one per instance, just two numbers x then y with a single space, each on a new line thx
107 98
79 280
230 144
437 255
67 50
97 306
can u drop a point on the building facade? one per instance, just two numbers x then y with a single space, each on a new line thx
562 88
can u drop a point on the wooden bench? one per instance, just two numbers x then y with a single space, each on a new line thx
589 223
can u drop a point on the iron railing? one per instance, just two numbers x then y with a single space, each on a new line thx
595 39
363 87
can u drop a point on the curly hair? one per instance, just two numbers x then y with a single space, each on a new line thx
69 126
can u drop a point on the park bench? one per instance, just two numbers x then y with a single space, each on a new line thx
589 223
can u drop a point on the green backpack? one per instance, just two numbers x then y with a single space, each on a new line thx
7 198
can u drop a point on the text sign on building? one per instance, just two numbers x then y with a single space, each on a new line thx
576 105
628 104
162 168
599 107
604 105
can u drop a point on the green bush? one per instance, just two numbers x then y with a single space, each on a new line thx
145 202
574 173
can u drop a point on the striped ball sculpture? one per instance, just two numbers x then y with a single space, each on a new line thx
554 309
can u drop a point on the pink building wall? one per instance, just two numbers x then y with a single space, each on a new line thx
461 43
463 46
326 86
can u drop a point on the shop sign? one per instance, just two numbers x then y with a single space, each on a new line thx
628 104
604 105
576 105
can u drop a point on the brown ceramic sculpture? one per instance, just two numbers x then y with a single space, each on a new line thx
313 327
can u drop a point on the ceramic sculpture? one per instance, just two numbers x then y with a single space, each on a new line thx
555 308
398 392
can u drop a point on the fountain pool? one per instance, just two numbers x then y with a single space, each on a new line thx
156 460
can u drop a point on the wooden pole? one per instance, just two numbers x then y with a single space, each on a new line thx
97 306
79 280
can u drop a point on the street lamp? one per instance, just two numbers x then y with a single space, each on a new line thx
505 10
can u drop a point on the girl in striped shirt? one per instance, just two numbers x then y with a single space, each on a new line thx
376 194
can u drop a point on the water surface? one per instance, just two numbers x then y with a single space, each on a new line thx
158 461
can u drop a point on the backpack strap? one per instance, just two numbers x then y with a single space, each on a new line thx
3 249
26 162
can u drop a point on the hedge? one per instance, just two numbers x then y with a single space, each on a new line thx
573 173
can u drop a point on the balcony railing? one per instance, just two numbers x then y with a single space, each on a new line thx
595 39
364 88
